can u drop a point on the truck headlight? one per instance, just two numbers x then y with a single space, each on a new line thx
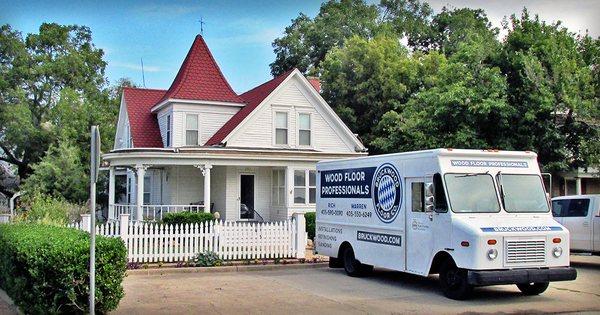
557 251
492 254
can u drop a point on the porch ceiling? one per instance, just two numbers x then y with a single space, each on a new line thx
219 156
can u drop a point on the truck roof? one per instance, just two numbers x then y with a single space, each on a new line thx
450 153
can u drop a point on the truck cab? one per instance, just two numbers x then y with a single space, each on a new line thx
476 217
580 214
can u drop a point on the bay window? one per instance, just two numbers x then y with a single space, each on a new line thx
168 133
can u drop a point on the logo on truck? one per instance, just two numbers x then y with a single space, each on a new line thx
387 192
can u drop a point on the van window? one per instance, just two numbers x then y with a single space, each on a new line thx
418 197
440 197
523 193
570 207
472 193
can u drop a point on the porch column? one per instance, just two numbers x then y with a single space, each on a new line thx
111 193
140 171
206 173
578 185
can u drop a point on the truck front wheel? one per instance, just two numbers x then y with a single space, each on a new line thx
454 282
533 288
353 267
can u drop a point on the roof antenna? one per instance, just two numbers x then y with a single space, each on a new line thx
201 26
143 76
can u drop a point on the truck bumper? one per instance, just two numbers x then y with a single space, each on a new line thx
514 276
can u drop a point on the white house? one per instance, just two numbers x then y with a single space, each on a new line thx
250 156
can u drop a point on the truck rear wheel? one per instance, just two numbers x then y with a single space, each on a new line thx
533 288
454 282
353 267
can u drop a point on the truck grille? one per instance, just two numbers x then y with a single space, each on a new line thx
527 252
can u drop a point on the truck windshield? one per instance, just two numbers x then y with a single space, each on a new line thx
472 193
523 193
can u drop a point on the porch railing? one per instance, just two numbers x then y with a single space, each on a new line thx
150 212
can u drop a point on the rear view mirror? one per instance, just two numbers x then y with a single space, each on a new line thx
429 197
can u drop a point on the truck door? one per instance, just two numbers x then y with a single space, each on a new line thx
596 223
575 214
419 236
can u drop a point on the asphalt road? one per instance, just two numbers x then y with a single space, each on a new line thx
330 291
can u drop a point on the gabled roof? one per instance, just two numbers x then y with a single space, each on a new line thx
143 125
200 78
252 98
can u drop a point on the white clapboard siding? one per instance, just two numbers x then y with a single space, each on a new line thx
154 242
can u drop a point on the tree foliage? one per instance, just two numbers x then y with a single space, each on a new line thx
52 87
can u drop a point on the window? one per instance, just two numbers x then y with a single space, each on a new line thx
305 184
278 188
147 189
523 193
281 128
168 130
472 193
441 205
304 129
417 192
129 189
191 129
570 207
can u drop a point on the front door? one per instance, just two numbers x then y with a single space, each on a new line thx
246 196
419 235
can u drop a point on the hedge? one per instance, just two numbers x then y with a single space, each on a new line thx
310 224
187 217
44 269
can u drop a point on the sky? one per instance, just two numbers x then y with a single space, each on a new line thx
239 33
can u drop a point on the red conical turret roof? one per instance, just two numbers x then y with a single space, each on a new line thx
200 78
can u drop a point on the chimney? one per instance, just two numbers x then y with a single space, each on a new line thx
315 82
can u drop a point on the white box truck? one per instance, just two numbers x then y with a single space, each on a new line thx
474 217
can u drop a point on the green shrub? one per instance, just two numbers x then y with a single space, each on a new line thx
44 269
40 208
310 224
206 259
187 217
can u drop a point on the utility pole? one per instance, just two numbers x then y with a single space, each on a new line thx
94 170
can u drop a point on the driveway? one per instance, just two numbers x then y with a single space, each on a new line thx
330 291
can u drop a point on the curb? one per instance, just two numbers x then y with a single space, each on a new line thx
11 304
241 268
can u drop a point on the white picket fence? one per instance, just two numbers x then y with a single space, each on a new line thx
154 242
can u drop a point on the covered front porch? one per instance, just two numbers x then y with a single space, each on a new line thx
238 190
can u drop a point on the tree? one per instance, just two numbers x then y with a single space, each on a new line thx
408 18
34 71
59 174
552 90
366 78
306 41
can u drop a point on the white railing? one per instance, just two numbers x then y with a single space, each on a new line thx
154 242
150 212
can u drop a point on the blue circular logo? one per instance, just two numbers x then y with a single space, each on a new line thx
387 192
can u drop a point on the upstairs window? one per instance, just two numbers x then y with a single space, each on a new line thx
168 130
304 123
191 129
281 128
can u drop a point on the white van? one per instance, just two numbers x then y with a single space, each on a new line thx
475 217
581 216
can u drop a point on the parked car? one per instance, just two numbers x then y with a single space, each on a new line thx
580 214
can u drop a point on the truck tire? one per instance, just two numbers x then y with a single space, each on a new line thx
336 262
352 266
533 288
454 282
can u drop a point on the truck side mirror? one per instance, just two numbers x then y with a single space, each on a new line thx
429 197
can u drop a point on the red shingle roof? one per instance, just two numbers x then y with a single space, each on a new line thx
200 78
253 98
143 125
